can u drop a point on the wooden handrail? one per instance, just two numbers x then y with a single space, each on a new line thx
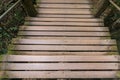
6 13
115 5
9 10
26 4
104 6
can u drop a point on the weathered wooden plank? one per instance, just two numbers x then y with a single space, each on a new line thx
67 42
87 53
66 37
64 1
63 19
63 24
61 58
63 48
62 28
61 74
65 11
62 66
65 34
64 6
65 16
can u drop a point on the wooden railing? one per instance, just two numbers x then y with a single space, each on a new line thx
12 16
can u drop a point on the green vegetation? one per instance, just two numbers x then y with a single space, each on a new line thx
10 25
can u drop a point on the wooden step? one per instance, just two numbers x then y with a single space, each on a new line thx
64 48
72 43
63 42
62 74
66 6
67 37
64 16
65 1
63 24
64 34
65 11
87 53
62 28
61 58
37 19
61 66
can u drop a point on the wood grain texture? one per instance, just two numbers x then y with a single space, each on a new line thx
63 24
66 42
64 11
87 53
64 1
64 34
64 16
64 48
65 6
62 66
63 28
66 37
62 19
61 58
61 74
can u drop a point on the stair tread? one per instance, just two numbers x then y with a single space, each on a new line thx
68 62
68 37
65 16
65 11
64 1
62 28
63 19
61 58
64 42
87 53
63 24
49 5
63 48
61 74
64 34
62 66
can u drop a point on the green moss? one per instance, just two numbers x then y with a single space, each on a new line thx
112 53
10 48
118 74
1 57
4 77
105 38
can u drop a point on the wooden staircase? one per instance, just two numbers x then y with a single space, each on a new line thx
65 41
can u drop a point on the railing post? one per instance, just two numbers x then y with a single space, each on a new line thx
102 8
29 8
